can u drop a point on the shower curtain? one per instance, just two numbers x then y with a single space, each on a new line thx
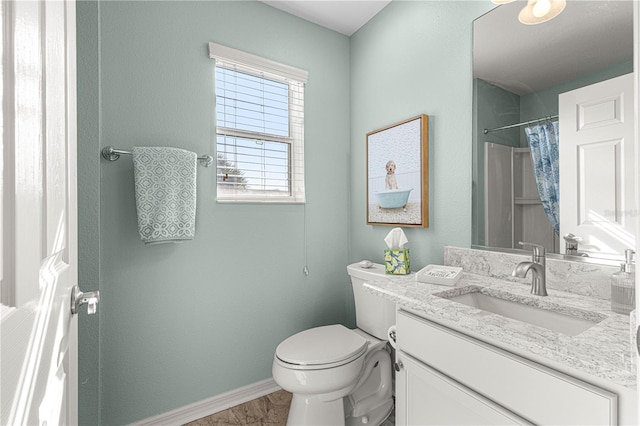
543 140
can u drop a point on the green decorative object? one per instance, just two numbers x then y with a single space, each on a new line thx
397 261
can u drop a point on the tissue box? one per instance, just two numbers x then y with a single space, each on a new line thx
397 261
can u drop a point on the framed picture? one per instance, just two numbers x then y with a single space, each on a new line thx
398 174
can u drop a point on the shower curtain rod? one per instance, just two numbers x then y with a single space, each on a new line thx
550 117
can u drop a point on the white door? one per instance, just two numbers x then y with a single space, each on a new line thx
597 165
39 253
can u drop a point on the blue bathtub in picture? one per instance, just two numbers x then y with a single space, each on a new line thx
393 198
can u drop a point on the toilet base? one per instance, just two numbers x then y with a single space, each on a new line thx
369 404
311 410
374 417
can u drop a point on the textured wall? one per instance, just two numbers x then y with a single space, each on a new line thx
181 323
415 58
88 207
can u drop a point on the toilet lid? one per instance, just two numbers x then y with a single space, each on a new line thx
321 345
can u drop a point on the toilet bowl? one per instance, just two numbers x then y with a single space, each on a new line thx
340 376
349 383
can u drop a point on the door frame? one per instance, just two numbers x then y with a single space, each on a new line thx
636 77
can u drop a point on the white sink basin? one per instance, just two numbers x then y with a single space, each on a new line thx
565 323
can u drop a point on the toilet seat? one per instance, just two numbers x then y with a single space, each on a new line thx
321 347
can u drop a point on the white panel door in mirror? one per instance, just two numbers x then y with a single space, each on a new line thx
597 165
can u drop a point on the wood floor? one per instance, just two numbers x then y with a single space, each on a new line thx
270 410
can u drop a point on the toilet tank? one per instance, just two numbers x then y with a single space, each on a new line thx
374 314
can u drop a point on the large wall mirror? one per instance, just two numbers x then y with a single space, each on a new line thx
524 76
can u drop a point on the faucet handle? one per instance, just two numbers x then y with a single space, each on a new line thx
538 250
570 238
571 243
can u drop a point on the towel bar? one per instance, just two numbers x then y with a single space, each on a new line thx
112 154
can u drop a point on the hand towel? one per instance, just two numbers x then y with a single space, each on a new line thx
165 186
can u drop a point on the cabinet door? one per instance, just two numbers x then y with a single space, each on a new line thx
425 396
540 394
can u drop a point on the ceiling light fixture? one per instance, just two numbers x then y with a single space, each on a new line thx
502 1
539 11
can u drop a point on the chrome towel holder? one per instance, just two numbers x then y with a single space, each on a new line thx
112 154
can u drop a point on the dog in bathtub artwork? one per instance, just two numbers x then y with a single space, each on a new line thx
390 181
392 197
396 174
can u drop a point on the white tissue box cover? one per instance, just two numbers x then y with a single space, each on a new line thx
439 274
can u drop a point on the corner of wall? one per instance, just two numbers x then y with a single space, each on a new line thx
89 141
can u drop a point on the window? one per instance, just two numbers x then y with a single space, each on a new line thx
259 128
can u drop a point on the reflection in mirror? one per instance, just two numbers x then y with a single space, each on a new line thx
519 73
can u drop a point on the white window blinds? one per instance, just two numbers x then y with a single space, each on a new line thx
259 128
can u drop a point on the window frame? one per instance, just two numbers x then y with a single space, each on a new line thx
236 60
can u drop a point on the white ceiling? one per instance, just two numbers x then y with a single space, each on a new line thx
345 17
585 37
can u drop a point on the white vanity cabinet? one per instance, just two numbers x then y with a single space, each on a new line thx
425 396
447 377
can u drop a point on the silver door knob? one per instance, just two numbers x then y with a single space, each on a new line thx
78 298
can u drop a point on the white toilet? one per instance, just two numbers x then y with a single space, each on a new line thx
340 376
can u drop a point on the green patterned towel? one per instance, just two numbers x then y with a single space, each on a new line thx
165 183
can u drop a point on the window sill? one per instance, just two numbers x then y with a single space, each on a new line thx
260 201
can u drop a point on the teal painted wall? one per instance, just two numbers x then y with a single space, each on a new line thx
415 58
88 207
181 323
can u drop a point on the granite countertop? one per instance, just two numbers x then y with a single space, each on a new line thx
604 350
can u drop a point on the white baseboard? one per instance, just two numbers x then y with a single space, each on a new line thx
212 405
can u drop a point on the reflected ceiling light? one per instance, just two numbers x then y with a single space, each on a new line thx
502 1
539 11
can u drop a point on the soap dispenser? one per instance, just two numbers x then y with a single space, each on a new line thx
623 290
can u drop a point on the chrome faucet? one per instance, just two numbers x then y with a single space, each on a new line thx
537 267
571 245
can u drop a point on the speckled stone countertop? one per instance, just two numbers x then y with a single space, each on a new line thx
604 350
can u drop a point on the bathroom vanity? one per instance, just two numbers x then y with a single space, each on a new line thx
463 380
461 364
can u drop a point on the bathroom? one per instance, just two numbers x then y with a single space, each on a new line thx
178 324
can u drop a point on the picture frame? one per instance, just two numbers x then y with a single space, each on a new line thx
398 174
